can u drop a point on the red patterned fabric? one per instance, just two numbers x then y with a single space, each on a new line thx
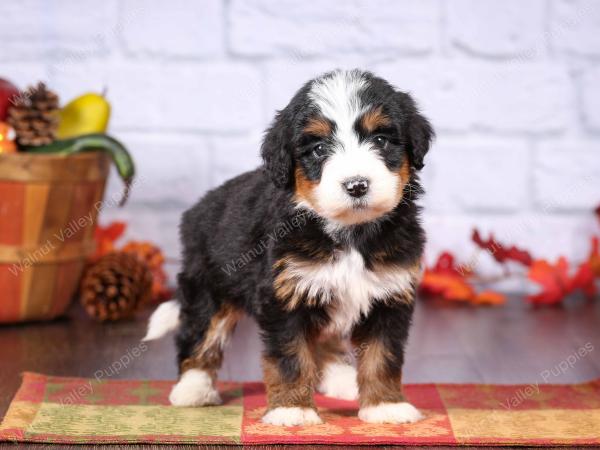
74 410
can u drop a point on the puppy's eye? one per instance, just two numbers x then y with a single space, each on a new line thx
318 151
380 141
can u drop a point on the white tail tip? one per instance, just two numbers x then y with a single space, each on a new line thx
163 320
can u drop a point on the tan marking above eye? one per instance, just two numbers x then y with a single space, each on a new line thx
373 119
318 126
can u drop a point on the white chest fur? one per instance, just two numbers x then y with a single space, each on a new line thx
347 287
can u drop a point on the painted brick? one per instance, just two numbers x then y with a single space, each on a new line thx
575 27
62 29
212 96
232 156
566 176
590 98
491 28
183 28
487 97
172 171
478 176
24 74
185 96
264 27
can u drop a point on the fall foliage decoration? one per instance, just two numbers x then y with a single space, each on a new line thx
105 238
7 138
114 284
447 280
154 259
556 283
501 253
456 282
113 287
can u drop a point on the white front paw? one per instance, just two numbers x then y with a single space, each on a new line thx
291 416
390 413
339 381
195 388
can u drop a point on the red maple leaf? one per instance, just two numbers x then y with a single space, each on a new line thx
553 279
556 283
500 252
584 280
446 263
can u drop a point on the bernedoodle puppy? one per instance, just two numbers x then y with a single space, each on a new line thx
321 246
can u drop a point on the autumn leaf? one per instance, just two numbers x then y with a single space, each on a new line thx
594 258
584 280
553 279
489 298
447 280
154 259
448 286
105 238
446 264
499 251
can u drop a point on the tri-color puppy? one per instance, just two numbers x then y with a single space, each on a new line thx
321 245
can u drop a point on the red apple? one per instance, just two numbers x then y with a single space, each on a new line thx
8 93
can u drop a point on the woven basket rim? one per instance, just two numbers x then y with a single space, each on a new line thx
92 154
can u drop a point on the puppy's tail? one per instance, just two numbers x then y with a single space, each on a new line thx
163 320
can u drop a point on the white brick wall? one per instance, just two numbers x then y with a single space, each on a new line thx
512 88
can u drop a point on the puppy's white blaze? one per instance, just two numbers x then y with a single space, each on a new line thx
390 413
339 381
292 416
163 320
194 388
350 283
337 97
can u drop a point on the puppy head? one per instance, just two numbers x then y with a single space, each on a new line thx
347 144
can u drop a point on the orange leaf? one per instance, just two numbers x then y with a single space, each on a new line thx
105 238
450 287
489 298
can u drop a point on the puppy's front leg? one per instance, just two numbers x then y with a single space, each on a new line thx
379 343
290 374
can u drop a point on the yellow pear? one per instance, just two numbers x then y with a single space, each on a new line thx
83 115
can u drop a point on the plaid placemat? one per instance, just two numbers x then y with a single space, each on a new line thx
75 410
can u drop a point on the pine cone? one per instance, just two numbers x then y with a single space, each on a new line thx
114 286
34 116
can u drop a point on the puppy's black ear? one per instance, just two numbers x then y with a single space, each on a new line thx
276 150
419 131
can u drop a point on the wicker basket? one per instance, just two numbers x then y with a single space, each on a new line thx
48 210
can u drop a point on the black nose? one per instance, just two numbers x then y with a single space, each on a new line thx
356 187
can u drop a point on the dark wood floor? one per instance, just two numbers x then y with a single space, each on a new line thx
510 344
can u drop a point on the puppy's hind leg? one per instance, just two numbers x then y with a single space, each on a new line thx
203 334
